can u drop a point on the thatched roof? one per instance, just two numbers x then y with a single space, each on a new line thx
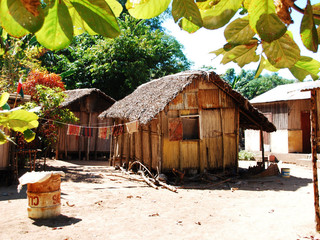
151 98
286 92
74 97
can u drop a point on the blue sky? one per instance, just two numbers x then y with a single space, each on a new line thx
197 46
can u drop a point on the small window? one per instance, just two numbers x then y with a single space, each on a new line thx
190 128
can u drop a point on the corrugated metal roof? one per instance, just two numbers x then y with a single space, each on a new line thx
286 92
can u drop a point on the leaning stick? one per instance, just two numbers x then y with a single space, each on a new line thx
151 184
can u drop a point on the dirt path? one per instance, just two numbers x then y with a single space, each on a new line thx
97 204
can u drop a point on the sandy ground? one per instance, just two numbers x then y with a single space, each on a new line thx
99 204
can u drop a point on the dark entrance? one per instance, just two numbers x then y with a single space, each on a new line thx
306 131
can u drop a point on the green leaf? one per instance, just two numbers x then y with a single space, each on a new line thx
218 15
115 6
9 23
79 25
29 135
6 107
188 26
26 19
99 17
264 20
316 10
304 67
4 98
308 31
21 120
282 53
57 30
239 31
146 9
186 9
265 64
242 54
219 51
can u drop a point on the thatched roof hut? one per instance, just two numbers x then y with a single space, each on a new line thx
187 121
86 104
76 96
151 98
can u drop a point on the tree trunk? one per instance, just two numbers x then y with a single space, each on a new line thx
314 121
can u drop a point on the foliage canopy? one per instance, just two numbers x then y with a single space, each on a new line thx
118 66
261 26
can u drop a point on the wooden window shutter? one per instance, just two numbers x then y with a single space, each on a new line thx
175 129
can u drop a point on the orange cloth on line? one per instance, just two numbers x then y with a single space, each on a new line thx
73 130
103 132
132 127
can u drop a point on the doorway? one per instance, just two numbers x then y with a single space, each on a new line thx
306 131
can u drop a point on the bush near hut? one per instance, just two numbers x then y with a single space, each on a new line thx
245 155
51 117
44 78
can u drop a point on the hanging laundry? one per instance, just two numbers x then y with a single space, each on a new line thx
86 131
73 130
132 127
117 130
103 132
109 132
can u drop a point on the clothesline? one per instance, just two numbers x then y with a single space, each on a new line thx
104 132
92 126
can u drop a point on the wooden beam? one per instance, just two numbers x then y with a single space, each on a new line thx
88 139
150 144
314 127
141 140
159 128
222 138
262 148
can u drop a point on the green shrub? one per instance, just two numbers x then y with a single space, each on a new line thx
244 155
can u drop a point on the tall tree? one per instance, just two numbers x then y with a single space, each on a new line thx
117 66
249 86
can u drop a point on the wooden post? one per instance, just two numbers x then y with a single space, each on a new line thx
160 143
80 139
141 139
88 139
66 138
128 150
96 141
110 153
314 121
262 148
150 144
122 146
222 138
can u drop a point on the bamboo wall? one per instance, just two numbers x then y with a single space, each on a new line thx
4 156
69 144
217 148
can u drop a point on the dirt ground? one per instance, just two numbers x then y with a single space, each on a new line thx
97 203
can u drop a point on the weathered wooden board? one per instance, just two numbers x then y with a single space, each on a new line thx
189 154
171 154
208 98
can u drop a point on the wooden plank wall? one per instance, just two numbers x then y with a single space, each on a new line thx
72 144
294 113
279 113
218 126
4 156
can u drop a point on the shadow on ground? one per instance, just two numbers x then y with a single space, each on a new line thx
59 221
